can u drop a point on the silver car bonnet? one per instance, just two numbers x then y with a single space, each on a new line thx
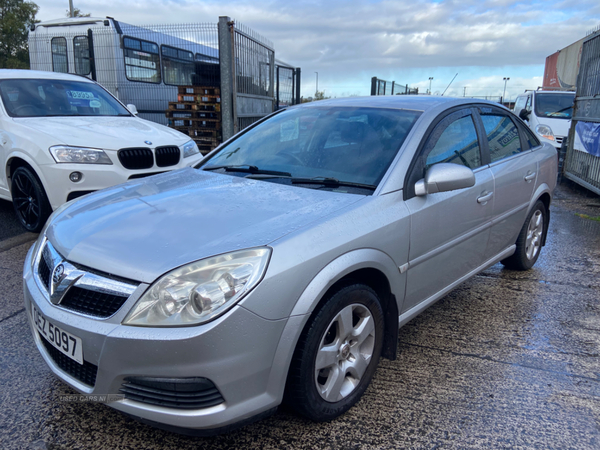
142 229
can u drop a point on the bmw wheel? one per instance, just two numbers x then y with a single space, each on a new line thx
29 199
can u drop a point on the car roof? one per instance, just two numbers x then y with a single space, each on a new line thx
39 74
409 102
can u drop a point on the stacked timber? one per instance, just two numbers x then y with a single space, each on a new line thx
197 113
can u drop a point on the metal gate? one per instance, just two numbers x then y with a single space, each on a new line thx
287 85
582 162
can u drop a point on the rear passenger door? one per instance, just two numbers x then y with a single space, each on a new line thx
449 230
514 168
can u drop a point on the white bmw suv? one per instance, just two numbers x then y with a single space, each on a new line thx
63 136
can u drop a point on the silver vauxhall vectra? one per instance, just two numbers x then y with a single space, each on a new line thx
281 268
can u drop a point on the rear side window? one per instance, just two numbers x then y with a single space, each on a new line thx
457 144
502 135
81 52
59 55
142 61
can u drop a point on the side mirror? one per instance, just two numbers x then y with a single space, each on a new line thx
524 114
132 109
445 177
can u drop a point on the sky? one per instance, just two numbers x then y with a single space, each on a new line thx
350 41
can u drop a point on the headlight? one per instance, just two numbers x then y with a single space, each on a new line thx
190 148
79 155
545 131
200 291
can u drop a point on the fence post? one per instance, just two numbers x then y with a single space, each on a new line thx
227 74
272 84
298 101
277 90
374 86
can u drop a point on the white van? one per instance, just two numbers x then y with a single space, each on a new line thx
548 113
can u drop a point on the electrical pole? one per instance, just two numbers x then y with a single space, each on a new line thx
430 78
71 8
465 92
504 93
317 83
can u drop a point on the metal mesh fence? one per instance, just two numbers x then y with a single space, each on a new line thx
383 87
254 76
285 86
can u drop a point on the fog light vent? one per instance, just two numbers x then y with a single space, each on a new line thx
75 176
179 393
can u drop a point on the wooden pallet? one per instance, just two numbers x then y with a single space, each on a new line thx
200 132
204 90
212 124
190 98
204 115
188 106
205 148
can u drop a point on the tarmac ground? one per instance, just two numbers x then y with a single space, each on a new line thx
507 360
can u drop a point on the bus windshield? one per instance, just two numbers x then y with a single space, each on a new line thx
51 98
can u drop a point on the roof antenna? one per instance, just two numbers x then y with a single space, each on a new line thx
449 84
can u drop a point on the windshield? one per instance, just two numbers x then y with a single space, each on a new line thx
44 98
333 144
557 106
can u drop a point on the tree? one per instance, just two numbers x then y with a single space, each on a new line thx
77 13
16 17
320 95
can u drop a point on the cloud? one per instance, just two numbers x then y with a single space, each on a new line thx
351 40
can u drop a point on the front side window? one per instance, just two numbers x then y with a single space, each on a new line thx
81 53
178 66
59 55
51 98
502 135
142 61
457 144
556 106
349 144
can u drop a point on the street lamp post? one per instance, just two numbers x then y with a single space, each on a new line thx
430 78
317 83
504 93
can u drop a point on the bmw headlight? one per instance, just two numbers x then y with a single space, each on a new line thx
544 131
189 149
200 291
79 155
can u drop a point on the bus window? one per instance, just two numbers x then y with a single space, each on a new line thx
178 66
81 52
59 55
142 62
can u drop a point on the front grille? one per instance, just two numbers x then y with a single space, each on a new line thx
44 272
85 373
180 393
136 158
93 303
167 156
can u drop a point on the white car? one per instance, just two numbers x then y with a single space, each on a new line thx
63 136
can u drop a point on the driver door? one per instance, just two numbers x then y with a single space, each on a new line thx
449 231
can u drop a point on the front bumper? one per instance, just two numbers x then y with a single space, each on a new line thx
236 352
58 186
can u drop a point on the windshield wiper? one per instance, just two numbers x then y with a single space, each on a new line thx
247 168
330 181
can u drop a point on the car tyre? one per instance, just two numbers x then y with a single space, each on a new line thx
337 354
529 242
29 199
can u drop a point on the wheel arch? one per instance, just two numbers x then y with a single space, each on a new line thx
543 194
16 160
366 266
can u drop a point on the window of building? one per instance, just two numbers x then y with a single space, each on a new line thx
81 52
59 55
178 66
142 61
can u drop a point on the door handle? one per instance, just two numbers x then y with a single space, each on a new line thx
484 198
530 176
